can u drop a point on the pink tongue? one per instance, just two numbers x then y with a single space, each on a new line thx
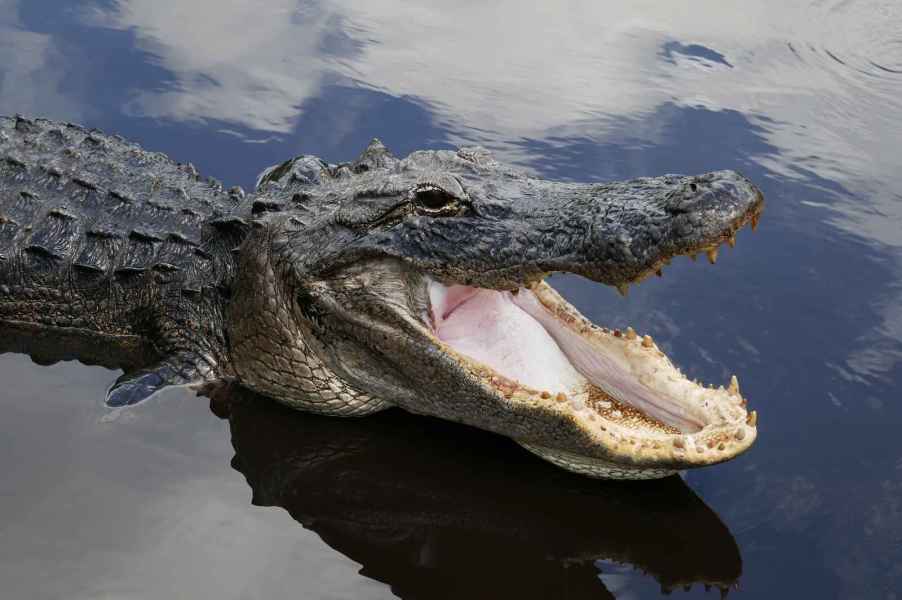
487 326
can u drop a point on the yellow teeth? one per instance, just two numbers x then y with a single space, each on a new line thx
734 386
631 333
647 342
712 255
752 419
624 289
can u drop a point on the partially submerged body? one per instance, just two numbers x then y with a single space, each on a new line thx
345 289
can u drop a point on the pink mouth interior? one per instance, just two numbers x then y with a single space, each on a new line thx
517 337
489 326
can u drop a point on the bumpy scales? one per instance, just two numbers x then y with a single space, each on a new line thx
345 289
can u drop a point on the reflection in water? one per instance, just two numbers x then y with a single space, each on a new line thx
438 510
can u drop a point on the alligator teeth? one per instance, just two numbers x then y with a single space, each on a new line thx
630 333
734 386
647 342
712 255
752 419
624 289
755 220
561 397
732 241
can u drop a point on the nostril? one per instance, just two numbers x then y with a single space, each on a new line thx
693 187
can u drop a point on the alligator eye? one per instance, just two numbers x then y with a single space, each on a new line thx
434 199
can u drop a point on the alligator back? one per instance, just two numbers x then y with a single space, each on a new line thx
95 231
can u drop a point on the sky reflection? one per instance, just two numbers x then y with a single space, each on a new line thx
821 78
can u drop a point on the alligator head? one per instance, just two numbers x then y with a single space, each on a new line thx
420 282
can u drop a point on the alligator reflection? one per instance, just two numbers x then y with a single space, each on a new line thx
438 510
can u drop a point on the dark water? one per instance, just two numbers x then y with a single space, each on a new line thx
167 500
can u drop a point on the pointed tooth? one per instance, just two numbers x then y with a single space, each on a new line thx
734 386
732 241
647 342
752 419
755 220
630 333
712 255
624 289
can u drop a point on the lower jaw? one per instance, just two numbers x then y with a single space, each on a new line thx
632 443
595 467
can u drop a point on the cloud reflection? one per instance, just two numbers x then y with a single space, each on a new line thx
33 70
821 80
233 62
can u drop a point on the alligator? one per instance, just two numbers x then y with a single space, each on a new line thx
345 289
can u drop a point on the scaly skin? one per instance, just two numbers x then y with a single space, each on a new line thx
314 290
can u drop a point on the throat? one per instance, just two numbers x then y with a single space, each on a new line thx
491 328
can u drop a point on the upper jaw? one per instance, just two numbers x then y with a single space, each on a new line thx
613 233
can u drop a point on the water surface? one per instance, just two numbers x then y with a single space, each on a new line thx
174 499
